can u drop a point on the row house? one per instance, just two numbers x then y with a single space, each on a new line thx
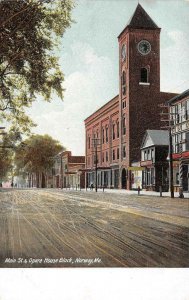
119 125
154 160
179 116
68 171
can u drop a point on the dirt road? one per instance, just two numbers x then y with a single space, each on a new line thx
51 228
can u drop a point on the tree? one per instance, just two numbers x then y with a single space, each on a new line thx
30 31
36 156
5 157
8 143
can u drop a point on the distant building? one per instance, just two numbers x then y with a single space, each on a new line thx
68 171
179 114
119 125
154 158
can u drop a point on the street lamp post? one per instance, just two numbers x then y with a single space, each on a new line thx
96 143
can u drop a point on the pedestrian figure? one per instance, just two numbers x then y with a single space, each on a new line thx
181 195
92 186
138 190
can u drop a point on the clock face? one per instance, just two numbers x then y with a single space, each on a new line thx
123 52
144 47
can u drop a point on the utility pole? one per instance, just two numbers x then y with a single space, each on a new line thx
181 171
171 187
96 143
168 120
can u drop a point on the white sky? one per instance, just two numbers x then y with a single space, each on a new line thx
89 60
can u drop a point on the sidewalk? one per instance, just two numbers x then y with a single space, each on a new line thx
142 192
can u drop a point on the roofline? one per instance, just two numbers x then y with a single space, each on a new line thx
144 28
102 107
178 97
145 135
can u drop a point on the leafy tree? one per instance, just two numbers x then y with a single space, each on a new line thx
30 31
7 144
36 156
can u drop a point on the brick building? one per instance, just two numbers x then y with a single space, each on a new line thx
120 124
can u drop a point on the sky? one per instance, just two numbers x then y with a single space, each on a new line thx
89 60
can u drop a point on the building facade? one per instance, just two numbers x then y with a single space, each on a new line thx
68 171
119 126
179 116
154 159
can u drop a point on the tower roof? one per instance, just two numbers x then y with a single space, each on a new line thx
140 20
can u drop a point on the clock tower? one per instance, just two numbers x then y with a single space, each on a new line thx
139 88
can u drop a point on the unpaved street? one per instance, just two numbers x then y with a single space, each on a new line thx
54 228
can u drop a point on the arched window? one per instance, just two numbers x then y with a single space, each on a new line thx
123 83
103 136
144 75
106 134
117 129
89 142
113 131
124 125
124 151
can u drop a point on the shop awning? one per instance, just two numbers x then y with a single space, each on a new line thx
136 168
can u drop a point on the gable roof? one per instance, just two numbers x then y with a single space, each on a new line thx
140 20
155 138
178 97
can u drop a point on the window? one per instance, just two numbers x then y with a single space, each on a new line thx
148 177
177 146
124 151
177 178
117 153
145 155
124 125
172 115
102 156
117 129
123 104
123 83
148 155
103 136
113 131
95 159
178 113
106 134
88 161
144 75
89 142
142 156
106 155
113 154
152 154
187 109
187 141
